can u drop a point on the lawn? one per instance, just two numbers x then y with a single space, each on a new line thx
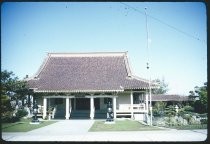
23 125
189 127
122 125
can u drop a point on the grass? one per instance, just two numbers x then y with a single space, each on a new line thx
189 127
125 125
23 126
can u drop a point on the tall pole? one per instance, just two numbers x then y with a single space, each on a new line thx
148 66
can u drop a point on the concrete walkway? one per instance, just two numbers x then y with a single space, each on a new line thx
77 130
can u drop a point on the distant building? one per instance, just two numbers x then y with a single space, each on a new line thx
170 99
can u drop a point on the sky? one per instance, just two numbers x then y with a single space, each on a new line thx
177 33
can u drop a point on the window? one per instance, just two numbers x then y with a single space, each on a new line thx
138 98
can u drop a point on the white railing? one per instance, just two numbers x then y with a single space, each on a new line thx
136 107
54 111
93 111
70 111
40 109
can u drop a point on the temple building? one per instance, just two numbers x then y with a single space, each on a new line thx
79 85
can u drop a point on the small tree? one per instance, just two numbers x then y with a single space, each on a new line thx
170 112
200 105
159 108
163 87
11 89
6 109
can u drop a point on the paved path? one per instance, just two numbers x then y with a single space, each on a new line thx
72 127
77 130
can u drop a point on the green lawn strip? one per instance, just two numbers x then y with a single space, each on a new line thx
125 125
189 127
23 126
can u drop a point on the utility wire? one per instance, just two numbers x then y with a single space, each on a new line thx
170 26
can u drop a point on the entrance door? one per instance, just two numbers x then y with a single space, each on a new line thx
83 104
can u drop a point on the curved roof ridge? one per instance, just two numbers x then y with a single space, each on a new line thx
87 54
42 66
153 84
128 68
139 78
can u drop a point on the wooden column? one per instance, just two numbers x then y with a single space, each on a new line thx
91 107
44 108
131 96
114 107
70 108
67 108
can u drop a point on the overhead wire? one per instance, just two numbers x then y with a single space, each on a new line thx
164 23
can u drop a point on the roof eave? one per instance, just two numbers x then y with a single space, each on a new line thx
74 91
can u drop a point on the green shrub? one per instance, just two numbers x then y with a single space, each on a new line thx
203 121
159 109
21 113
168 121
14 119
193 121
7 116
170 111
188 108
187 117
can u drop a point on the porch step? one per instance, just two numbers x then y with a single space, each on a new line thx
123 114
60 112
85 114
100 114
80 114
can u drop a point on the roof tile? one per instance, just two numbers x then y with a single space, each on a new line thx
105 73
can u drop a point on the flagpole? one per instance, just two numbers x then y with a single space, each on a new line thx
148 66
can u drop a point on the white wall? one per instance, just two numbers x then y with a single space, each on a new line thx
123 98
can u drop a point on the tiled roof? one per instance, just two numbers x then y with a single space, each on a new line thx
163 97
85 72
